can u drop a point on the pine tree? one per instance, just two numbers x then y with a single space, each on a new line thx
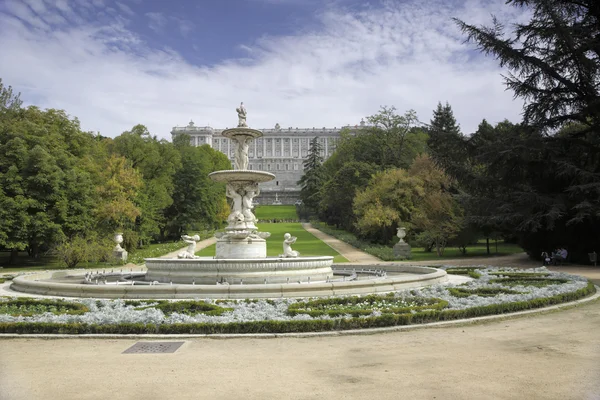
545 173
313 179
445 141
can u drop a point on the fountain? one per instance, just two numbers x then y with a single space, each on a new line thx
240 268
241 250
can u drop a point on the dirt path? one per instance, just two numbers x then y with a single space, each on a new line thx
550 356
352 254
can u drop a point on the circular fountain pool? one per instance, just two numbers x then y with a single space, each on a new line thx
346 280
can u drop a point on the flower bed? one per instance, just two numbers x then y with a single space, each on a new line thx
496 291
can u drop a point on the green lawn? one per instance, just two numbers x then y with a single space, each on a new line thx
43 262
307 244
26 263
476 250
269 212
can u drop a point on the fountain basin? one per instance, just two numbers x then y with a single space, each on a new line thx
70 284
239 270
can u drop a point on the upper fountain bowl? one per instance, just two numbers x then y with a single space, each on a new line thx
241 175
241 131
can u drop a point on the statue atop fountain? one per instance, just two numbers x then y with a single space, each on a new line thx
241 110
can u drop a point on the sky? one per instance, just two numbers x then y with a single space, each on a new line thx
300 63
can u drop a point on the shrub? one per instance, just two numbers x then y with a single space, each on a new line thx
27 306
188 307
357 306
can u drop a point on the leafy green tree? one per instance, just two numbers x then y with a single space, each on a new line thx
157 162
389 141
547 173
47 189
437 212
197 200
339 191
313 179
9 101
388 201
116 209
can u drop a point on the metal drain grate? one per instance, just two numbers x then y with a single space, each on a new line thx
153 347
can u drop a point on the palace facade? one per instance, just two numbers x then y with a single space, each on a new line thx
281 151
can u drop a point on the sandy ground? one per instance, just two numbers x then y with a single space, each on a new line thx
550 356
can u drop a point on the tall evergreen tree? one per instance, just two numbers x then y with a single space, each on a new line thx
313 179
446 142
547 170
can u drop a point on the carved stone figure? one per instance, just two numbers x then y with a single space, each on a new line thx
288 241
250 192
191 249
241 110
233 194
241 156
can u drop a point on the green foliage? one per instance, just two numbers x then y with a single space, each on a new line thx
464 271
389 141
482 292
313 178
360 306
46 180
196 198
9 102
187 307
541 179
25 306
388 200
292 326
528 281
339 191
79 249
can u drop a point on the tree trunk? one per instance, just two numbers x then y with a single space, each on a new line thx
487 244
14 253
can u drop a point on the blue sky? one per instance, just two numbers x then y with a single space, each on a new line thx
299 63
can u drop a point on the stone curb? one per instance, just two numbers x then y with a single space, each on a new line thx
353 332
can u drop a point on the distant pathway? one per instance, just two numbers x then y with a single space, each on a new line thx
352 254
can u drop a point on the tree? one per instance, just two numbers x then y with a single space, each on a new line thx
47 187
389 141
116 208
388 201
197 200
313 179
157 162
339 191
8 100
437 213
446 142
550 192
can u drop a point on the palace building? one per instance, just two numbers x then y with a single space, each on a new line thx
281 151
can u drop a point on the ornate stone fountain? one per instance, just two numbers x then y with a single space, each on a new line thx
241 238
241 250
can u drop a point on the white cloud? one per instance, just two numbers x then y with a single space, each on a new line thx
157 21
408 55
